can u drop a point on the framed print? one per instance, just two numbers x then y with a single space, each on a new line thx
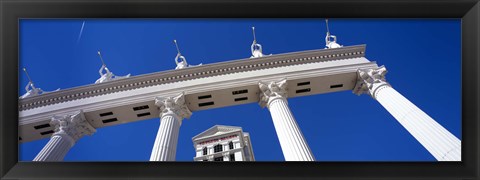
284 89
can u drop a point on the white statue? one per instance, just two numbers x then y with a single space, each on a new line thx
256 50
255 47
182 63
30 89
331 44
180 60
328 42
108 75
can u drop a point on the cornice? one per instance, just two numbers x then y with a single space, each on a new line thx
210 84
215 129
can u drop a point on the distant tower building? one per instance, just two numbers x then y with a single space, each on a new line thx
223 143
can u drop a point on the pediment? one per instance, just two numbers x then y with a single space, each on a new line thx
216 130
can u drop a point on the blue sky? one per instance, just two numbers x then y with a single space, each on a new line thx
422 56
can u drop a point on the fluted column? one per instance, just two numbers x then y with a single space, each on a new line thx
172 112
442 144
68 129
294 147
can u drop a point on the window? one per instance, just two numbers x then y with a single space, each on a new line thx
230 145
336 86
205 151
232 157
206 104
218 158
243 91
303 83
218 148
140 108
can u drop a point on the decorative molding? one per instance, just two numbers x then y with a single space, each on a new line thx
271 91
74 126
213 130
370 80
173 105
191 73
92 106
197 86
124 101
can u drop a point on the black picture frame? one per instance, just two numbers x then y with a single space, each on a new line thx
467 10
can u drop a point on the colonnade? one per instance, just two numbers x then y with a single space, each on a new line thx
443 145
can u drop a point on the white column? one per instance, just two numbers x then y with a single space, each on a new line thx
294 147
442 144
172 112
68 129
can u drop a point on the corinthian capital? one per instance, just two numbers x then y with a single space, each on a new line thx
74 125
272 90
173 105
369 80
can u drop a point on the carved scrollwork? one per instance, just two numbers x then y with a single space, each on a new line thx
173 105
74 125
272 90
368 80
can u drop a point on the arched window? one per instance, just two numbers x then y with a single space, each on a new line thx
230 145
205 151
218 148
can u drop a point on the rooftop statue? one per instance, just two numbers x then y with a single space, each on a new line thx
108 75
30 89
256 50
331 44
255 47
328 43
180 60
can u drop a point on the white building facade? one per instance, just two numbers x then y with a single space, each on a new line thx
172 96
223 143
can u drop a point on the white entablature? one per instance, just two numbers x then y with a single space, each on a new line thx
207 86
